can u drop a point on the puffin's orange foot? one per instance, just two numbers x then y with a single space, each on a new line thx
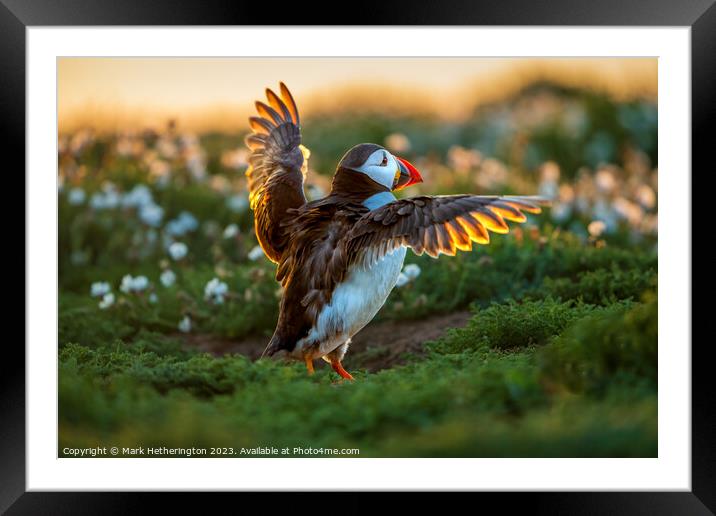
338 368
309 365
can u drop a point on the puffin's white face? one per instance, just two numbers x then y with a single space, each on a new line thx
381 167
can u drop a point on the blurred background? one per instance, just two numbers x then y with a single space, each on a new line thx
157 256
583 131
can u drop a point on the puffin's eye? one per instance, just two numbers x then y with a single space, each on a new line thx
385 161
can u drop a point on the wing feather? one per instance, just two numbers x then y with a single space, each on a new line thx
275 177
279 105
268 112
435 225
290 103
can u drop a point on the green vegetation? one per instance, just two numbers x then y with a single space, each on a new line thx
527 377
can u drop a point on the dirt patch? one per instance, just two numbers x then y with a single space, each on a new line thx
252 346
380 345
383 345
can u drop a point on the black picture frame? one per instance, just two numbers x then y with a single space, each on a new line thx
700 15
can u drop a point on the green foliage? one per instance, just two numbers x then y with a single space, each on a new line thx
508 269
513 325
599 353
600 286
487 402
571 428
563 365
81 322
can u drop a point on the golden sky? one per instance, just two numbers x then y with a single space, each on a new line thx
218 93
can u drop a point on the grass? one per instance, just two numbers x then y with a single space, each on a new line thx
543 373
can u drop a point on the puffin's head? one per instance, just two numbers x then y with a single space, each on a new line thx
381 166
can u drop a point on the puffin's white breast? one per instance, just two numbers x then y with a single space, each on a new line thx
355 301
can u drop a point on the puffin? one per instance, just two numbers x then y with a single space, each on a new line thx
339 257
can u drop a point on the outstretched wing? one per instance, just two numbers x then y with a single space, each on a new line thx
440 224
276 168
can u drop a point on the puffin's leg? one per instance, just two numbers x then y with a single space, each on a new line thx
335 357
338 368
309 364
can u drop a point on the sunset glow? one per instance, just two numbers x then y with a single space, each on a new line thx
217 93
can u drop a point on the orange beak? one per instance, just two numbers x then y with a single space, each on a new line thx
409 175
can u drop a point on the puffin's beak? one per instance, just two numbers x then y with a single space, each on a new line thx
409 175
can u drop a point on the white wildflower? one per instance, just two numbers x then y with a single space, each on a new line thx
237 203
153 298
140 283
127 145
231 231
197 166
605 212
549 172
136 285
166 147
402 280
189 140
215 290
106 199
107 301
183 224
561 211
185 324
629 210
236 159
137 197
492 173
412 271
188 221
605 180
548 189
178 250
645 196
462 159
80 140
549 180
159 172
566 193
255 253
167 278
151 214
97 201
219 184
175 228
99 288
596 228
76 196
126 285
397 142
